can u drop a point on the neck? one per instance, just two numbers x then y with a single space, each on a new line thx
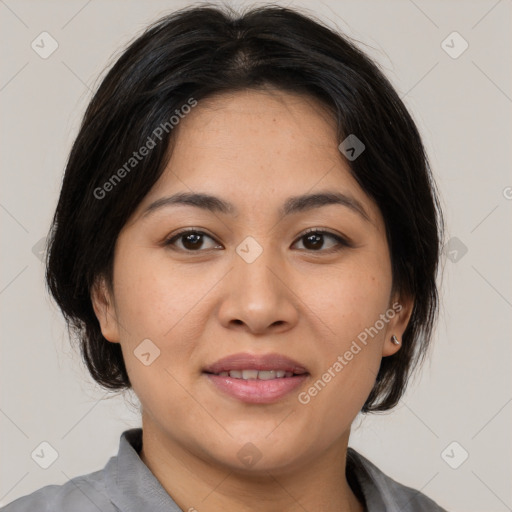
196 483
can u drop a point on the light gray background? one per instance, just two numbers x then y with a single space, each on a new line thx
463 109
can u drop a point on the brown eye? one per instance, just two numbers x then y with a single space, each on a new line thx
314 240
191 240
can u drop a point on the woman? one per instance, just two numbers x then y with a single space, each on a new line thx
248 236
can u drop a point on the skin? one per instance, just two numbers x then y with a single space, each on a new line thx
254 149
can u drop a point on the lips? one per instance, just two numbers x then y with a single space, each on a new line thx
259 363
256 379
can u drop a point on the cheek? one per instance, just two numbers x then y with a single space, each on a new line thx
169 305
350 299
152 295
153 303
351 305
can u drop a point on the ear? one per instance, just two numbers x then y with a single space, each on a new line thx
402 307
103 305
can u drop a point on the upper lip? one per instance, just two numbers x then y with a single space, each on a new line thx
246 361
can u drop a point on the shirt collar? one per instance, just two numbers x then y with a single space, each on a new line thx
133 487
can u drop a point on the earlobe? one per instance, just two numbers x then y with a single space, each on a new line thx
391 346
102 304
397 325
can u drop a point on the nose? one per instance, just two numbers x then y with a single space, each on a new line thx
258 296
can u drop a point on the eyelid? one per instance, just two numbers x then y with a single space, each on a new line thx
342 240
342 243
168 241
325 231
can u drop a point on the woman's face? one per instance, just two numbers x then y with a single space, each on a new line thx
249 282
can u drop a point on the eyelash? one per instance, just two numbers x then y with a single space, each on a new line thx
342 242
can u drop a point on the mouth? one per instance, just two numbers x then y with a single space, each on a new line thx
256 378
257 374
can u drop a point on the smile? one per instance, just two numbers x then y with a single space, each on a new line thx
256 378
256 374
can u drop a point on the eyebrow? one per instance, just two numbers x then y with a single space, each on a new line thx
292 205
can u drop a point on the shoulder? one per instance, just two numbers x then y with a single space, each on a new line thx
382 493
84 493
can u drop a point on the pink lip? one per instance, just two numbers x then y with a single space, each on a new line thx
245 361
256 391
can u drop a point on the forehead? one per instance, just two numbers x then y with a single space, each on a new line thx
241 122
257 147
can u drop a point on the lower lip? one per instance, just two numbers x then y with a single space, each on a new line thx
256 391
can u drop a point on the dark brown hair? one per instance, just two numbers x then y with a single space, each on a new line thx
204 50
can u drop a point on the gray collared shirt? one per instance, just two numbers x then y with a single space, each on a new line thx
126 484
